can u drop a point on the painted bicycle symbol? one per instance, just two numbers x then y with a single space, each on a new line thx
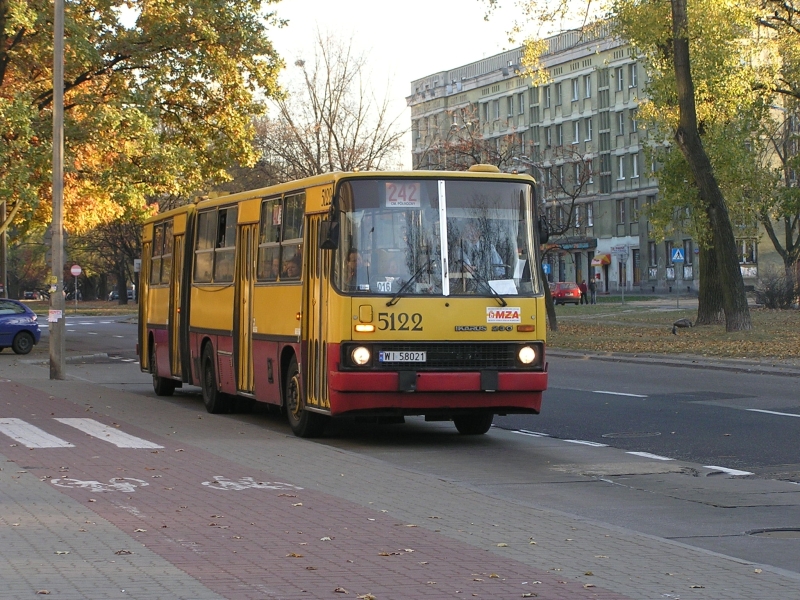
117 484
244 483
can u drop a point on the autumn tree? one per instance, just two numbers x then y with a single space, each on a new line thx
661 33
460 142
329 119
159 98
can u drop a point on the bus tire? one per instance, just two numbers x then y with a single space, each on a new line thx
476 424
162 386
216 402
304 424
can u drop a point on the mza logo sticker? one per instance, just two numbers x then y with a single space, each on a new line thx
506 314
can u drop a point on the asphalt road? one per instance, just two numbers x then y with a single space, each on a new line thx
701 456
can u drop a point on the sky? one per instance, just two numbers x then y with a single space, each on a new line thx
403 40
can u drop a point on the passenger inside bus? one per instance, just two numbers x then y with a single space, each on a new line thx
291 269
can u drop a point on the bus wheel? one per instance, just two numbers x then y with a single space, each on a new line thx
303 423
473 424
161 385
216 402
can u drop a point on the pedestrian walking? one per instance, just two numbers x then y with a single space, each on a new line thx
592 291
584 290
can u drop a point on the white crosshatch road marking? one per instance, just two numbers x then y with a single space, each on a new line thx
108 434
31 436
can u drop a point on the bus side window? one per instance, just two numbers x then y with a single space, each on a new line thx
225 251
204 246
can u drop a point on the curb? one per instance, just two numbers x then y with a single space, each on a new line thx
68 359
686 361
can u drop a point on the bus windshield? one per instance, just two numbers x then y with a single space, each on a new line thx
436 237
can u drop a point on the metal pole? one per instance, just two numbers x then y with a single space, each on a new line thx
76 294
57 304
3 253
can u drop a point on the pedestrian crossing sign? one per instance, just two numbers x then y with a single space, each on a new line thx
677 255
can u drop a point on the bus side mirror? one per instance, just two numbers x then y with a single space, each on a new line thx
544 231
329 235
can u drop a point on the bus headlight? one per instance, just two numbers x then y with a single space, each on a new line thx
526 355
360 355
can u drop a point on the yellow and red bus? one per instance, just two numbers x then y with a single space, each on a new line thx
375 295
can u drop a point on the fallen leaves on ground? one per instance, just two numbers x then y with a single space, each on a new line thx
775 335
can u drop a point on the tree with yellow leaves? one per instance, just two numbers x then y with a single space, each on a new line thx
159 98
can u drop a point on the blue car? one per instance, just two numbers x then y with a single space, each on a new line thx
19 327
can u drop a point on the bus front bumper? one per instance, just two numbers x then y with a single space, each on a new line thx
428 392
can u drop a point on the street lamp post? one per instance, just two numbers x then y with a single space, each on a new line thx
57 305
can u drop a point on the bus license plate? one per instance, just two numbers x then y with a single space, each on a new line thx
402 357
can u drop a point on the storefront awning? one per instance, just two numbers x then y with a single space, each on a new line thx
601 259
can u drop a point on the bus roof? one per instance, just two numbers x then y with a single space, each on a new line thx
484 172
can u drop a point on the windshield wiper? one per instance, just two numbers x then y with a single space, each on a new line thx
484 283
408 283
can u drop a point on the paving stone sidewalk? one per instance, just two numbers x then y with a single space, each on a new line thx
205 541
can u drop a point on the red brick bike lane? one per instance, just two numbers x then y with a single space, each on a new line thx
247 534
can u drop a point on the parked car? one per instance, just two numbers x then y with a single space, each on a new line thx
566 291
114 295
19 326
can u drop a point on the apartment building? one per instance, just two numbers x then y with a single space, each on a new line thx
579 136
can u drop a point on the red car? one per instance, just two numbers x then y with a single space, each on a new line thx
566 291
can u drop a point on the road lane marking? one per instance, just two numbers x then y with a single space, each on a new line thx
30 436
727 470
648 455
619 394
108 434
529 433
585 443
772 412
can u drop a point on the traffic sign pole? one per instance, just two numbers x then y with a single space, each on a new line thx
76 271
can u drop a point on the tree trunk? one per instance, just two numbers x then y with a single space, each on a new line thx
734 300
709 305
548 302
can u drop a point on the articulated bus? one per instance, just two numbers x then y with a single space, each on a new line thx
374 295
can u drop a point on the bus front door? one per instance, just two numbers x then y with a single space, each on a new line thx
243 311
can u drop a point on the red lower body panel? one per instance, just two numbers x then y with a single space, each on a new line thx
435 392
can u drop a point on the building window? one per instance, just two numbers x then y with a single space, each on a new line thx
561 175
558 94
486 113
634 165
521 103
535 95
668 248
634 120
547 97
621 123
576 132
620 167
536 134
621 211
575 87
632 75
620 79
651 252
548 136
510 102
587 86
577 216
576 173
588 129
559 135
747 251
687 252
635 209
590 214
534 115
496 109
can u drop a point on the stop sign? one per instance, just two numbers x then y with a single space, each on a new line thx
75 270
